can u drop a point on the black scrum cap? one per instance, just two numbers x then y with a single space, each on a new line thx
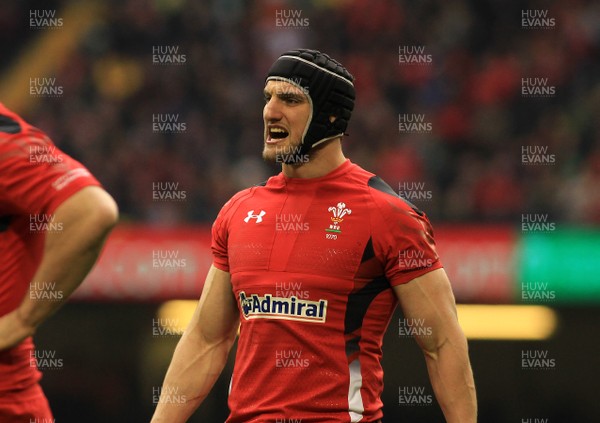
328 86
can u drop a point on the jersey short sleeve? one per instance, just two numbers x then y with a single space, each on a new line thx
219 240
220 229
403 240
36 176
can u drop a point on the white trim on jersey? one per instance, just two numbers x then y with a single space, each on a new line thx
356 407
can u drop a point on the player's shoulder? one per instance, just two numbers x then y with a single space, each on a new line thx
10 128
17 136
386 198
382 195
9 123
240 197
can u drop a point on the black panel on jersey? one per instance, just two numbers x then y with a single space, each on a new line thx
352 346
4 223
380 185
369 252
357 306
9 125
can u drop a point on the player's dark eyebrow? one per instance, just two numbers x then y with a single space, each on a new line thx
291 97
284 95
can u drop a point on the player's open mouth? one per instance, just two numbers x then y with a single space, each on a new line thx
276 134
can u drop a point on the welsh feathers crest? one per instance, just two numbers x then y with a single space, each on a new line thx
338 212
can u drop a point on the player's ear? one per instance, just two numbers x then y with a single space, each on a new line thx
332 118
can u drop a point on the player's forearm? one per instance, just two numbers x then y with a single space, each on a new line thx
69 254
452 380
51 286
194 369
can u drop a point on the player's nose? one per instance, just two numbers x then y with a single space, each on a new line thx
272 111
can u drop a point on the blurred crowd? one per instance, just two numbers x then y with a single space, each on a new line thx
467 166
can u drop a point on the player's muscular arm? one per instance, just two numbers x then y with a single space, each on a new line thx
430 297
202 350
86 218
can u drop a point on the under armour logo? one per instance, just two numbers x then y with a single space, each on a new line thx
258 217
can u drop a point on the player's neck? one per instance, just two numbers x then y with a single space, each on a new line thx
323 160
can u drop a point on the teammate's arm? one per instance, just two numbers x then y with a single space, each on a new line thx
430 297
202 350
86 217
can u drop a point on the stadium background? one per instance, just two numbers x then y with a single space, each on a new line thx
466 169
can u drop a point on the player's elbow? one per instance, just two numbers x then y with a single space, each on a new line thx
97 212
448 337
106 214
439 335
431 346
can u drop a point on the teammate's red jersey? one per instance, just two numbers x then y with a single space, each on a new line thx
35 178
312 264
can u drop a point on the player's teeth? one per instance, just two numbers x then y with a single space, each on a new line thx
278 133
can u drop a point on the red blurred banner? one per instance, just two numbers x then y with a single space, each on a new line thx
480 261
144 263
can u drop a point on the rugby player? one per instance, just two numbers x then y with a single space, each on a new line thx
54 218
344 261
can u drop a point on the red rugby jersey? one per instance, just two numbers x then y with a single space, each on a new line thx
312 263
35 178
